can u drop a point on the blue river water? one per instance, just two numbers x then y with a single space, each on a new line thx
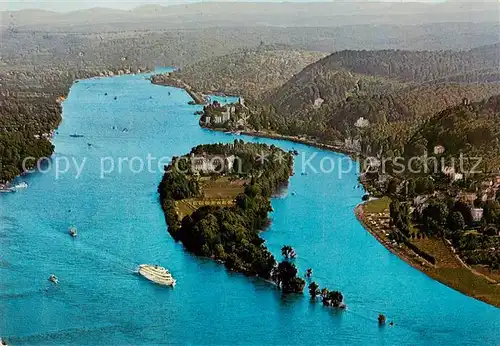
114 204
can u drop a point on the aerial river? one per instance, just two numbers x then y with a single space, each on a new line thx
100 300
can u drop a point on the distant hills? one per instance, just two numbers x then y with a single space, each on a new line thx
279 14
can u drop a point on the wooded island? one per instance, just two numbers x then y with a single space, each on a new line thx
216 201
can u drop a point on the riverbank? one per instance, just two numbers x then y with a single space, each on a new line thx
166 80
448 269
42 116
295 139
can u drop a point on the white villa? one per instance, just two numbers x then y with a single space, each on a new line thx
212 163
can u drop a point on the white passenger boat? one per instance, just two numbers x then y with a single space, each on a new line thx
21 185
157 274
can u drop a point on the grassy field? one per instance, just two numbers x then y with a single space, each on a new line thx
220 192
377 206
222 187
448 269
494 274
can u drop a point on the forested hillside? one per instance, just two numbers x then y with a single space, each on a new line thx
26 123
250 73
411 105
362 73
414 66
471 129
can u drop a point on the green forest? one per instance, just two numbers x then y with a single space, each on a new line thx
26 125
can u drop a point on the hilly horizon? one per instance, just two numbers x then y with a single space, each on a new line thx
291 14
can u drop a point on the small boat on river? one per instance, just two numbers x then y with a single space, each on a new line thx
73 232
53 279
76 135
157 274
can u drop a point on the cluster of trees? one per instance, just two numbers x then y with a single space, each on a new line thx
175 186
482 248
285 277
328 298
411 187
477 249
288 252
400 217
231 234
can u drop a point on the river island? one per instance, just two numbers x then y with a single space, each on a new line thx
216 201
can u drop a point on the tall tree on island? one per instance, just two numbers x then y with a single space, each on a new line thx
314 291
285 277
288 252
